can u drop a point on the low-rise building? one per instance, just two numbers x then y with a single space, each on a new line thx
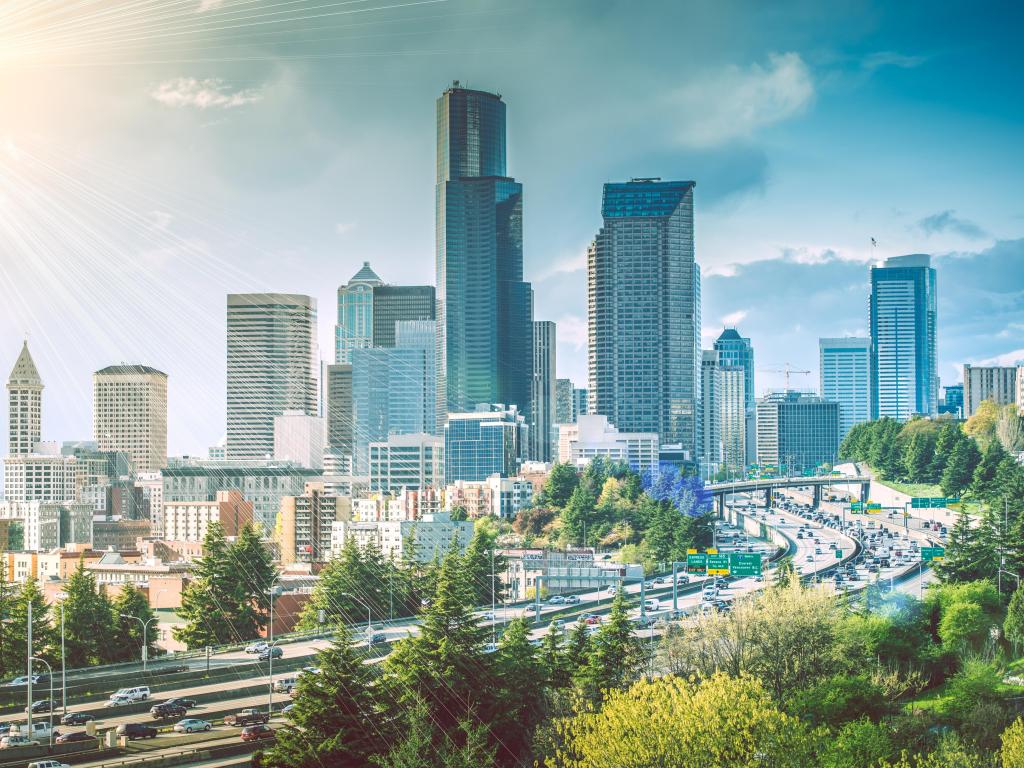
593 436
188 520
118 535
497 496
431 536
49 525
561 571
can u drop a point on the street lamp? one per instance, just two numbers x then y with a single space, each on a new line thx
49 671
62 596
145 640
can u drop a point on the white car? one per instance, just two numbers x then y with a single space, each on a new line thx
17 741
258 647
22 681
490 647
191 725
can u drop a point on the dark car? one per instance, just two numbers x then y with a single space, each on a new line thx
136 731
180 702
68 738
164 710
256 732
276 651
43 705
76 718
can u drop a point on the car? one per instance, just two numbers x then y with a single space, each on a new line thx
490 647
648 585
556 600
572 599
191 725
258 647
16 740
651 604
486 616
249 716
136 731
73 736
124 696
43 705
286 709
257 732
275 651
167 711
181 702
644 621
117 701
612 589
810 558
48 764
22 681
591 618
378 638
658 580
76 718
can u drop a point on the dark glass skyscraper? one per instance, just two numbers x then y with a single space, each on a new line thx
484 309
643 307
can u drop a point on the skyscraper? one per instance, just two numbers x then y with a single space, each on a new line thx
643 297
398 303
25 405
845 366
565 402
902 322
354 329
796 432
485 442
734 420
735 351
710 417
271 367
543 408
484 308
129 414
338 408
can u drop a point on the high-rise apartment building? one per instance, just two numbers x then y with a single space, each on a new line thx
542 412
271 367
484 308
736 351
733 418
565 402
304 529
989 382
796 432
492 440
710 417
643 302
25 405
188 520
354 329
400 303
129 414
845 369
902 323
581 401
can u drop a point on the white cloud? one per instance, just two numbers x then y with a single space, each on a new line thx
879 59
572 329
1016 357
344 227
734 103
203 94
734 318
209 5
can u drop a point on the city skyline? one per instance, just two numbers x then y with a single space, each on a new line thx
214 213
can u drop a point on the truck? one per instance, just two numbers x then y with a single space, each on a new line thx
247 717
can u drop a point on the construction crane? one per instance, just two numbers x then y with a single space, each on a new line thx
786 369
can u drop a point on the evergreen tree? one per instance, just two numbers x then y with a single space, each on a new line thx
339 717
576 650
43 640
88 622
617 656
917 458
128 633
963 552
7 595
520 695
576 517
1013 626
209 603
342 578
984 486
424 746
254 570
959 472
552 657
480 563
948 438
560 485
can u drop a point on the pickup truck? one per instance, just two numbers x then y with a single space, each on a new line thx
247 717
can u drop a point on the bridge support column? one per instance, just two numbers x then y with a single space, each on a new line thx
817 497
865 492
721 504
768 498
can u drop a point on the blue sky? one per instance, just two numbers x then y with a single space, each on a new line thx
152 162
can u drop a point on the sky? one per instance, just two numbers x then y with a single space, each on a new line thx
157 155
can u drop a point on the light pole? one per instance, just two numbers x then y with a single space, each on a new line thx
49 671
62 596
145 638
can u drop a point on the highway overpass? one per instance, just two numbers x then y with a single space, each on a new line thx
767 485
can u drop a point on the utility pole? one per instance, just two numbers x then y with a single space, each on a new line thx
28 665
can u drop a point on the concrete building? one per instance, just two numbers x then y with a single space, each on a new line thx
571 571
594 436
733 418
129 414
119 535
565 402
188 520
845 368
304 527
263 484
300 439
711 451
35 477
272 367
643 309
338 411
581 401
50 525
354 329
413 461
484 307
989 382
489 441
25 405
736 351
542 410
151 484
796 432
902 321
431 536
496 496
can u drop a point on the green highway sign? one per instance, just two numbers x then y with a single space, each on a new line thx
718 565
930 554
696 563
874 506
745 564
856 506
932 502
839 554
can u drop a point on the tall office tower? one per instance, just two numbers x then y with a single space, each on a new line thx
129 414
354 329
710 417
398 303
489 441
565 402
998 383
796 432
484 308
735 351
542 411
272 367
580 402
845 366
393 389
338 409
25 405
733 418
643 297
902 322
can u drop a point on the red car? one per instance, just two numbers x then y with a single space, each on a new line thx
257 732
592 619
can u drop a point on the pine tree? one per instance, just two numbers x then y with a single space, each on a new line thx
88 623
43 638
342 580
520 695
561 482
959 472
480 562
1013 626
917 458
963 552
577 517
617 656
209 603
339 716
576 650
254 570
128 634
552 657
424 746
949 436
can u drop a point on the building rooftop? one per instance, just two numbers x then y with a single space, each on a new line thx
129 370
643 198
24 373
366 275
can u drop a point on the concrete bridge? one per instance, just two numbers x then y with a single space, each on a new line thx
768 484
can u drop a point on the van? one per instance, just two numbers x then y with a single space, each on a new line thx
285 684
651 604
